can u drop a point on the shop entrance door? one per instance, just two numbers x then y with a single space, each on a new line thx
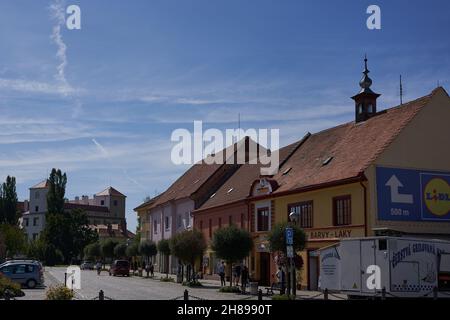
264 269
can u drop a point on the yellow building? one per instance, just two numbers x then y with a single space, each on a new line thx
143 213
387 172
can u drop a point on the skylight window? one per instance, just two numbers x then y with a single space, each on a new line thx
196 181
327 161
231 189
212 196
285 172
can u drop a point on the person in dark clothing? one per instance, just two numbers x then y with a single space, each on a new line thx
221 271
244 278
152 269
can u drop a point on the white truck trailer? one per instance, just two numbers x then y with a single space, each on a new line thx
407 267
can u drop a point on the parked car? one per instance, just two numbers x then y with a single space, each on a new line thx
87 265
120 267
25 272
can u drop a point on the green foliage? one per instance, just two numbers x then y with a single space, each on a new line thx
107 247
36 249
13 287
166 279
93 251
56 192
188 245
148 248
15 240
277 238
69 233
132 250
60 292
164 247
52 256
192 284
232 244
8 202
120 250
230 289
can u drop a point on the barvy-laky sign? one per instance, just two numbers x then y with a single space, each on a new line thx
412 195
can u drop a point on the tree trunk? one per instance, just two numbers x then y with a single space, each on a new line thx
231 274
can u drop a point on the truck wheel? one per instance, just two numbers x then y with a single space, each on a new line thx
31 284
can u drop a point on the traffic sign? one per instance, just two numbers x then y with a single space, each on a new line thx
289 236
290 251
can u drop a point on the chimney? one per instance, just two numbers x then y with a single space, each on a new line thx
84 199
77 199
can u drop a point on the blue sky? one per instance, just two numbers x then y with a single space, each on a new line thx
103 110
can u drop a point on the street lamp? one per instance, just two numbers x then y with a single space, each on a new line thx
293 217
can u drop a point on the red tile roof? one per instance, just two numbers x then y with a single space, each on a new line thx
85 207
197 175
110 191
41 185
237 187
350 148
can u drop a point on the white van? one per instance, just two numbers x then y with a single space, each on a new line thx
407 267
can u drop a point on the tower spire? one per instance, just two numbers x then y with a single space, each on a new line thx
365 100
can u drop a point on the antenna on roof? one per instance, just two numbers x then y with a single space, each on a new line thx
401 90
239 125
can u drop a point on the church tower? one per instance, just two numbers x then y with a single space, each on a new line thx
366 99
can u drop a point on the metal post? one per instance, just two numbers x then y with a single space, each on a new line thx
383 293
65 279
259 294
186 295
288 281
294 280
325 294
101 295
435 293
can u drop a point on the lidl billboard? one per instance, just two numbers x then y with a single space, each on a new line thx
412 195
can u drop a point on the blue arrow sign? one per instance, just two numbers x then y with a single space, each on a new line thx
289 236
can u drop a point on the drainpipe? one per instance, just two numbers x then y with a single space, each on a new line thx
365 207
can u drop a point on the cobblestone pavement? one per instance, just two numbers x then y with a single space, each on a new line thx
141 288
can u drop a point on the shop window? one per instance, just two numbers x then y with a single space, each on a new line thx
230 220
242 220
166 223
342 211
220 223
305 213
262 219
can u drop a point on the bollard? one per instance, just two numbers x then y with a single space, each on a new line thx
101 295
259 294
383 293
325 294
435 293
186 295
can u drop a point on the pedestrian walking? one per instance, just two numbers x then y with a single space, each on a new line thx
237 274
152 269
244 278
147 268
221 271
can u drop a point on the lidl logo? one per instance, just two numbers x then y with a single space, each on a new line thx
437 197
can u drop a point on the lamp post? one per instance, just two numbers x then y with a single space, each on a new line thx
293 217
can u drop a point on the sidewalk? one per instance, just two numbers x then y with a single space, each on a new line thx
300 294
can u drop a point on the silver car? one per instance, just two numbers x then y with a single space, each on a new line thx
27 273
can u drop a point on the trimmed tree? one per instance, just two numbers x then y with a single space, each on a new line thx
164 248
232 244
120 250
148 249
14 238
132 250
277 243
107 247
93 250
188 246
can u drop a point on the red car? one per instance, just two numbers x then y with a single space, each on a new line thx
120 267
